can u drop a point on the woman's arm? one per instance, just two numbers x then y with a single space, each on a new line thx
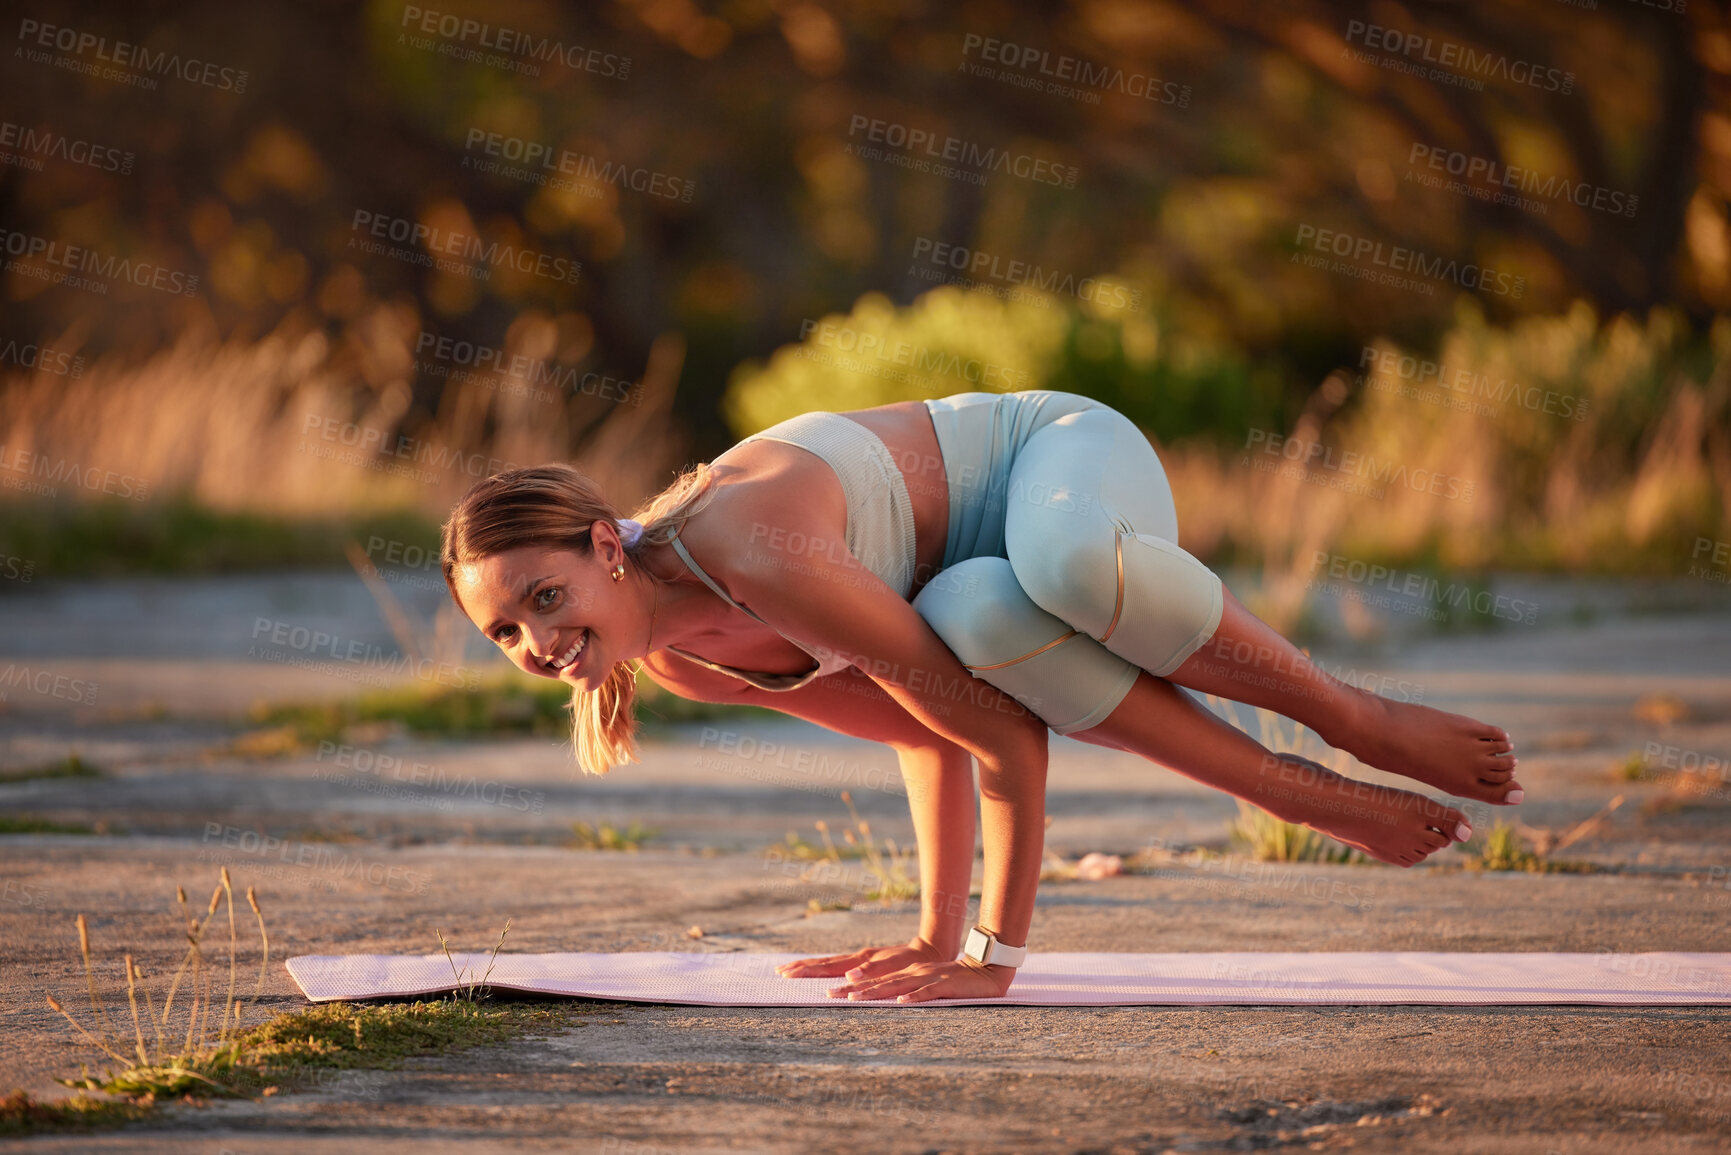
829 601
938 776
940 781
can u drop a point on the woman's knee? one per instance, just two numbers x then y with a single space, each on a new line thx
977 607
990 623
1057 520
1069 571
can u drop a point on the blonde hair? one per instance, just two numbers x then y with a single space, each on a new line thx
554 506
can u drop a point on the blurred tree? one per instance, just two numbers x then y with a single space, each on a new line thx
714 181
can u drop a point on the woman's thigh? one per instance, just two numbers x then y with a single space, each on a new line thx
1091 532
1067 679
1090 468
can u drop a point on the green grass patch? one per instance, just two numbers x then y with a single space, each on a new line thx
606 836
503 705
292 1049
508 703
12 824
22 1115
1271 840
283 1053
71 766
1503 849
798 848
346 1036
112 538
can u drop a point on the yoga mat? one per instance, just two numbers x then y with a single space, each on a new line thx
1357 978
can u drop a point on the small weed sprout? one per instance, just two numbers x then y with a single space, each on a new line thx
474 989
887 867
606 836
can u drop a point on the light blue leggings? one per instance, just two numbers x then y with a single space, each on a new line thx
1086 584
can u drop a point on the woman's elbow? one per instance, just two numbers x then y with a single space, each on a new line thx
1013 740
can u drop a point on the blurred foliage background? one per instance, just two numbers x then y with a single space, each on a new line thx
731 218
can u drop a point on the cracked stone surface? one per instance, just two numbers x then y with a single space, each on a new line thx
462 836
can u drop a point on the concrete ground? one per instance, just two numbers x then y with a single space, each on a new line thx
378 845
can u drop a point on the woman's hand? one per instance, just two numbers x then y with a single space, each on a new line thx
871 962
925 981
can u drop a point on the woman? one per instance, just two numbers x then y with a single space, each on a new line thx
967 572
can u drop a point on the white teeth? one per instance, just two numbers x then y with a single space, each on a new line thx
570 655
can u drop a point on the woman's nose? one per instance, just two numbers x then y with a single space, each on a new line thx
539 641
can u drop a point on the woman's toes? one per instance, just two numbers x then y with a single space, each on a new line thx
1445 819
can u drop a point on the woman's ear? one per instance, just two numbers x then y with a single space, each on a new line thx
604 540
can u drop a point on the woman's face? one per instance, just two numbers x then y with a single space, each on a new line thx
554 613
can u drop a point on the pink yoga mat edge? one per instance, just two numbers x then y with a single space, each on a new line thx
1058 979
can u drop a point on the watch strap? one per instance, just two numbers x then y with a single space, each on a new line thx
984 948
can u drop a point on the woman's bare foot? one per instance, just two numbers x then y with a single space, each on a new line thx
1246 661
1393 826
1452 752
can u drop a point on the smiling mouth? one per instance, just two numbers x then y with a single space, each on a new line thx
569 658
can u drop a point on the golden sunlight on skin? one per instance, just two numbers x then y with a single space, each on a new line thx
536 604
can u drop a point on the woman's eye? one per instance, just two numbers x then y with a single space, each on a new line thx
544 599
504 635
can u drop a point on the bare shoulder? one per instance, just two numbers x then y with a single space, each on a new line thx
767 492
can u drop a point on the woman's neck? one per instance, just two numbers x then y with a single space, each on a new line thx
683 607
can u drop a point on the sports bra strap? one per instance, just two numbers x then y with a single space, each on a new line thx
773 682
691 563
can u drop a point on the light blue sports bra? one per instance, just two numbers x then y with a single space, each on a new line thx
880 525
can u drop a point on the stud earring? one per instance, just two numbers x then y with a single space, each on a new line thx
618 571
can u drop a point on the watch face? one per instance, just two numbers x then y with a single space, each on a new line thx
977 946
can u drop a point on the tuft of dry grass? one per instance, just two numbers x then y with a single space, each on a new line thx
155 1061
166 1061
1547 463
296 424
472 989
887 868
1517 846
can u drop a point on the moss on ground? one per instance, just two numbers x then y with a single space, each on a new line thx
292 1051
10 824
22 1115
504 704
113 538
71 766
